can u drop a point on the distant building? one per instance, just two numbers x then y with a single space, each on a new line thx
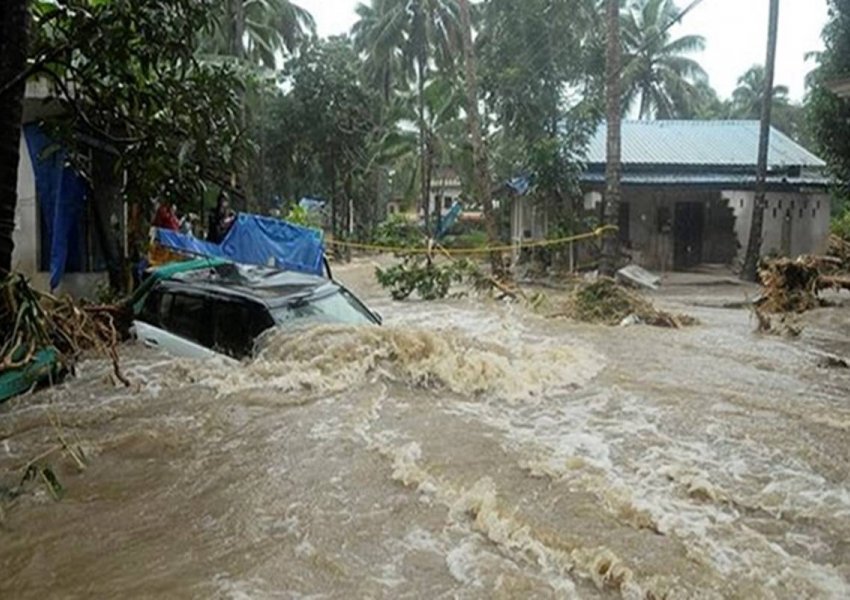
446 189
688 191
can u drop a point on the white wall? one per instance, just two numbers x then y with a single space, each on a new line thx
804 217
25 257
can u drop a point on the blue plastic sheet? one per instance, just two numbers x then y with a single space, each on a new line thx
448 221
256 240
62 195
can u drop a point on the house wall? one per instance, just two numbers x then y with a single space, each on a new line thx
795 223
27 237
441 190
650 239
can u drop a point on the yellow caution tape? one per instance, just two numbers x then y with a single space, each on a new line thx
599 232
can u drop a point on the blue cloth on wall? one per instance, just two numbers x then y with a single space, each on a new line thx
62 195
256 240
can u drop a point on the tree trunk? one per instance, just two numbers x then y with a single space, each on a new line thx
13 45
479 151
610 245
751 260
108 214
424 154
237 28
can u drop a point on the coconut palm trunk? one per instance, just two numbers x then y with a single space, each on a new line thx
610 242
479 152
424 154
751 260
13 44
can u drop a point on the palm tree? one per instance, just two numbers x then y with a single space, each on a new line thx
13 56
747 99
396 35
657 70
381 40
258 30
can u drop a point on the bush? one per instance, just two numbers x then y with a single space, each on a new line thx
299 215
398 232
419 274
473 239
841 225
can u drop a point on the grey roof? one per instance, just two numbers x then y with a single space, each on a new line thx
704 143
717 180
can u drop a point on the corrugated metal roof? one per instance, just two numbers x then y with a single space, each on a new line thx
717 143
730 181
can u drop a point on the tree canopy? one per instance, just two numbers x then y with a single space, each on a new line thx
829 115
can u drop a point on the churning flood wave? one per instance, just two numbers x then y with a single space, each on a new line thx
468 449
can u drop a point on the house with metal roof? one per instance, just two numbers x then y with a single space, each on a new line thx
688 191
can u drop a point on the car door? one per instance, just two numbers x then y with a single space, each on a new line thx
176 321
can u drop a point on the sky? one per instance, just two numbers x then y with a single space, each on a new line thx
735 33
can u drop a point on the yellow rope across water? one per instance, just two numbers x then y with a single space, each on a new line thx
596 233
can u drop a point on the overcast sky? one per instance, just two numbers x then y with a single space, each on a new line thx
735 32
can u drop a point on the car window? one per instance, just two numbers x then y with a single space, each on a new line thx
337 307
237 324
150 312
187 316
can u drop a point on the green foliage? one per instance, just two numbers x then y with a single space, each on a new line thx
321 131
541 71
398 232
271 28
828 115
420 274
657 73
137 91
472 239
841 225
299 215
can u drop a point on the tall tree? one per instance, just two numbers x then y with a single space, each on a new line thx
257 31
828 115
659 75
427 32
610 246
541 73
748 96
13 44
479 151
751 260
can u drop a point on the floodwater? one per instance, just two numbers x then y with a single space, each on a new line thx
468 449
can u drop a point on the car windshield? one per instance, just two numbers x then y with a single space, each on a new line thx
336 307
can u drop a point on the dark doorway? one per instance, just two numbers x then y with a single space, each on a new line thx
687 234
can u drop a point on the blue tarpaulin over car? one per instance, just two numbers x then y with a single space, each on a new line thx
62 194
256 240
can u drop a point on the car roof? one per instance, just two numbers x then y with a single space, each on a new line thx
266 285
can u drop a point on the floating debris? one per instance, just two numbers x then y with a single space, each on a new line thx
606 302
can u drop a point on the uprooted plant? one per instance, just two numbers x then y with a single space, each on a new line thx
31 321
421 274
606 302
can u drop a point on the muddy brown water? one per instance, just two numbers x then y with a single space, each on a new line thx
468 449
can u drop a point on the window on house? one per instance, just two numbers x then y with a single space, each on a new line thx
447 202
774 213
801 213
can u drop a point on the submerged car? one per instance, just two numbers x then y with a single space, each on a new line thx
205 308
